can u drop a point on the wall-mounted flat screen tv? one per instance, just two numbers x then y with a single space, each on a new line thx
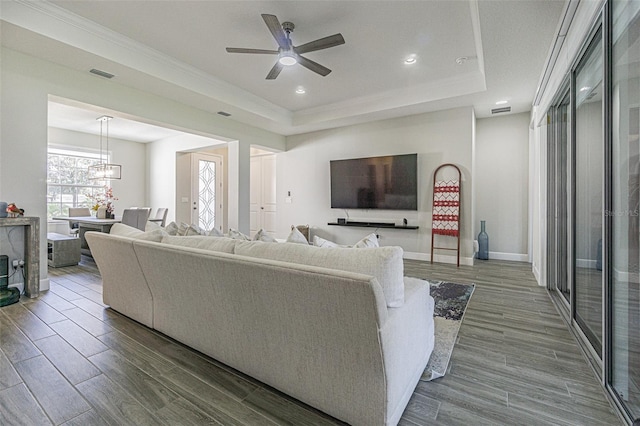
388 182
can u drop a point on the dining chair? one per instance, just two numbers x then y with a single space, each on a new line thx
74 227
130 217
143 215
161 216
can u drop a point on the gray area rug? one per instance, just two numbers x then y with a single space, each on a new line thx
450 304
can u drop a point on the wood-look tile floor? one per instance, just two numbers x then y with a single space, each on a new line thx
67 359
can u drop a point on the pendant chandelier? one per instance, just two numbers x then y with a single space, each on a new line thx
104 170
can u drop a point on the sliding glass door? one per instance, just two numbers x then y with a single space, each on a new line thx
558 139
588 160
625 241
593 220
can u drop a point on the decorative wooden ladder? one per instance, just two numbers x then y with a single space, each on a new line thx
445 216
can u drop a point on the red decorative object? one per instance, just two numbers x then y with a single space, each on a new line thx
14 211
445 218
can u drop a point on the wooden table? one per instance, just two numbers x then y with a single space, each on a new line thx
89 223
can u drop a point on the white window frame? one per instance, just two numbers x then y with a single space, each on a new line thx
74 188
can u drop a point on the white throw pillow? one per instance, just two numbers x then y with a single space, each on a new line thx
172 228
383 263
237 235
225 245
370 240
321 242
193 230
215 232
296 237
150 226
155 235
182 228
123 230
262 235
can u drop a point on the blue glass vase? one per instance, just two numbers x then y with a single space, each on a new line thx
483 242
3 209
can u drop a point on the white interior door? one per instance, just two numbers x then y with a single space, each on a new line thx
268 207
206 191
255 196
262 198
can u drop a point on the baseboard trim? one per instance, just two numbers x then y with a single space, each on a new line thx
536 274
44 284
586 263
439 258
516 257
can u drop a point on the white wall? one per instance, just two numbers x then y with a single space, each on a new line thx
162 158
438 137
502 184
27 83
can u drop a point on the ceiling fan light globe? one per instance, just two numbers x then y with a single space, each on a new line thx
287 60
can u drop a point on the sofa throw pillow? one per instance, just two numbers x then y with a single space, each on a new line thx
182 228
150 226
370 240
172 228
383 263
215 232
237 235
296 237
219 244
193 230
123 230
262 235
321 242
154 235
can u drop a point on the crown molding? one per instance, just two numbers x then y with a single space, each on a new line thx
464 84
66 27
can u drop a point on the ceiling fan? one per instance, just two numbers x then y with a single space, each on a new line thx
287 52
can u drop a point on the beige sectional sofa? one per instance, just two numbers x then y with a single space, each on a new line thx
340 329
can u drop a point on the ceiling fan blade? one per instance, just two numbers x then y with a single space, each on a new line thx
243 50
313 66
275 71
276 30
322 43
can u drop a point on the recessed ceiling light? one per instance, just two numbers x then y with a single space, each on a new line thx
410 60
502 102
461 60
300 90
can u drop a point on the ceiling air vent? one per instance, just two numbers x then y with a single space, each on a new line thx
499 110
224 114
101 73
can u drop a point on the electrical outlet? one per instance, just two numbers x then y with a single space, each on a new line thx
15 263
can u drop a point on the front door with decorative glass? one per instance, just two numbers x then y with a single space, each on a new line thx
206 188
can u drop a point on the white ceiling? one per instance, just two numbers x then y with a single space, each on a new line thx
84 119
177 48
